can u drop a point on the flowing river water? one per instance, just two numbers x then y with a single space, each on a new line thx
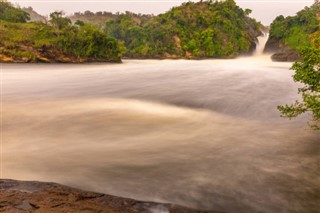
203 134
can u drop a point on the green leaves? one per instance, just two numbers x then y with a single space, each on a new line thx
88 41
58 21
306 72
201 29
12 14
293 110
295 31
302 32
57 41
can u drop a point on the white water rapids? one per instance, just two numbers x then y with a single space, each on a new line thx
262 40
204 134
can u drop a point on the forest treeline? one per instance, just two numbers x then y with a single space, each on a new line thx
218 29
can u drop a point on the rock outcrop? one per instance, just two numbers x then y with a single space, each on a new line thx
281 52
32 196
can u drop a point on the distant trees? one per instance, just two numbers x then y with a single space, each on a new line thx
9 13
58 21
247 11
58 38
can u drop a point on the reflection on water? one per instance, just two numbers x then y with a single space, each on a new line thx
203 134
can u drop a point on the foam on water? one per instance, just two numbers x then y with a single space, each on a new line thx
262 40
204 134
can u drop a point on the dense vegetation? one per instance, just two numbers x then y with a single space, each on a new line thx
295 31
58 40
192 30
307 70
100 18
12 14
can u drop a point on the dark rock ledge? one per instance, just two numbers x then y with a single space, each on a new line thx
280 52
33 196
286 56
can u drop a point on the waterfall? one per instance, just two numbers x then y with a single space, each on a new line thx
262 40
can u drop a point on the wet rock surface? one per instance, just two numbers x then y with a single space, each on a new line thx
33 196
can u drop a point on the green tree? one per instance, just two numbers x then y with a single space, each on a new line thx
197 29
294 31
89 42
58 21
307 71
79 23
12 14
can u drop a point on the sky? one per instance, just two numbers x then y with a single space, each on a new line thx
262 10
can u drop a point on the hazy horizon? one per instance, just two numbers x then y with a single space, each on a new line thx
262 10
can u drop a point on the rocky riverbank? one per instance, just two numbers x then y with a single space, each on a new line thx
280 52
36 56
33 196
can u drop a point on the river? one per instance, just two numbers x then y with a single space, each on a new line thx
203 134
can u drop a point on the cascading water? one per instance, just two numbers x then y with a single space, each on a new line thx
262 40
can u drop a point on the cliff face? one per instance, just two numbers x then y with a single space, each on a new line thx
281 52
274 45
31 196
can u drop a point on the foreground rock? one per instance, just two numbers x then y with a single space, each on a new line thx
31 196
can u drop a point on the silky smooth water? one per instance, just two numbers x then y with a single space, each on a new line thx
204 134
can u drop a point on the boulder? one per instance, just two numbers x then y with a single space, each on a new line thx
286 56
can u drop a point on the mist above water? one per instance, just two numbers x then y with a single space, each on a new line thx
204 134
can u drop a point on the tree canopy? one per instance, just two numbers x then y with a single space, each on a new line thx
197 30
57 40
9 13
307 70
295 31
